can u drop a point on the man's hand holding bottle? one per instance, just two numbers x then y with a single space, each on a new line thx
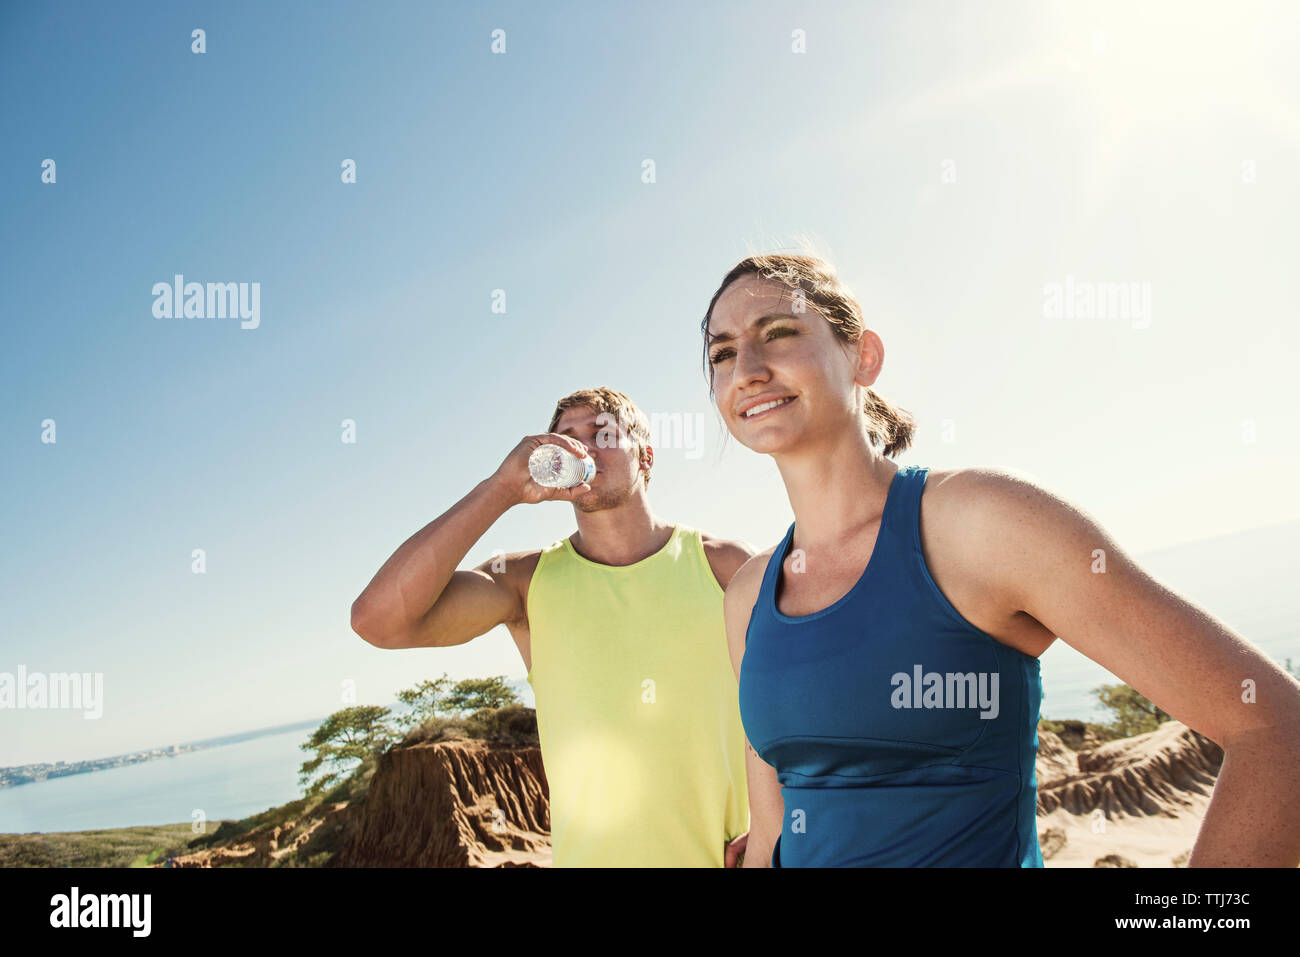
515 476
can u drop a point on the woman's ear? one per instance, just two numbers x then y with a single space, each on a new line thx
869 353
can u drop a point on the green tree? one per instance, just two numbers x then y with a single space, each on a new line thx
1131 713
425 700
1293 672
342 742
478 694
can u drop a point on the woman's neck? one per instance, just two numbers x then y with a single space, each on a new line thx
837 489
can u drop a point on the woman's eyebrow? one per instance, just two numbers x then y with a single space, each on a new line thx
756 324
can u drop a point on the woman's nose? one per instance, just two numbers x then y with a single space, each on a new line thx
749 366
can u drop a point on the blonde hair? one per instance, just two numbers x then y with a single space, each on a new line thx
889 427
626 413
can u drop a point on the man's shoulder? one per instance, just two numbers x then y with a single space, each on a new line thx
508 563
727 545
514 569
726 556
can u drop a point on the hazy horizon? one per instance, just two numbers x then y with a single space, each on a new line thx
1081 671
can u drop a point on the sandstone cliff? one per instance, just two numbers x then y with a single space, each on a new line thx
453 804
460 803
1157 773
468 803
1133 802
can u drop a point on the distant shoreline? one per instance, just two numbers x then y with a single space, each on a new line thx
18 775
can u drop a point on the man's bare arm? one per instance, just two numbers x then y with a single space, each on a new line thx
412 582
418 598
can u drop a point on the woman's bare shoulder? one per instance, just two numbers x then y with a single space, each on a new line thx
744 585
977 524
982 494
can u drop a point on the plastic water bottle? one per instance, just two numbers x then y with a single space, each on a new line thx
556 467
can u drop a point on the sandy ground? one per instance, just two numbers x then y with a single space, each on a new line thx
1147 841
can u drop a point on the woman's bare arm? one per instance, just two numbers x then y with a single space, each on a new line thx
1051 560
766 806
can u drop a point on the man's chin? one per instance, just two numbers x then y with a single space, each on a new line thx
592 502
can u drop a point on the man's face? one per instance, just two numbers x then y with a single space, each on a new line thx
618 473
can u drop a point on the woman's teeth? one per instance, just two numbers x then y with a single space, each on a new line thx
766 405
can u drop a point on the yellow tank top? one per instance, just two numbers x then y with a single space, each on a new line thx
637 708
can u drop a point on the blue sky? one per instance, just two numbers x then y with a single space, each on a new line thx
954 160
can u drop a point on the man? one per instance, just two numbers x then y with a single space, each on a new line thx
621 629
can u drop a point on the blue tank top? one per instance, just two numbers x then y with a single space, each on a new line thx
902 735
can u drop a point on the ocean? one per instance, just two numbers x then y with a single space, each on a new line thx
229 781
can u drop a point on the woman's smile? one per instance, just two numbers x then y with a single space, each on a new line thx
772 409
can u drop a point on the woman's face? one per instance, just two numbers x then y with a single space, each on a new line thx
765 346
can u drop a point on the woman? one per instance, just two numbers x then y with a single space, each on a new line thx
890 682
